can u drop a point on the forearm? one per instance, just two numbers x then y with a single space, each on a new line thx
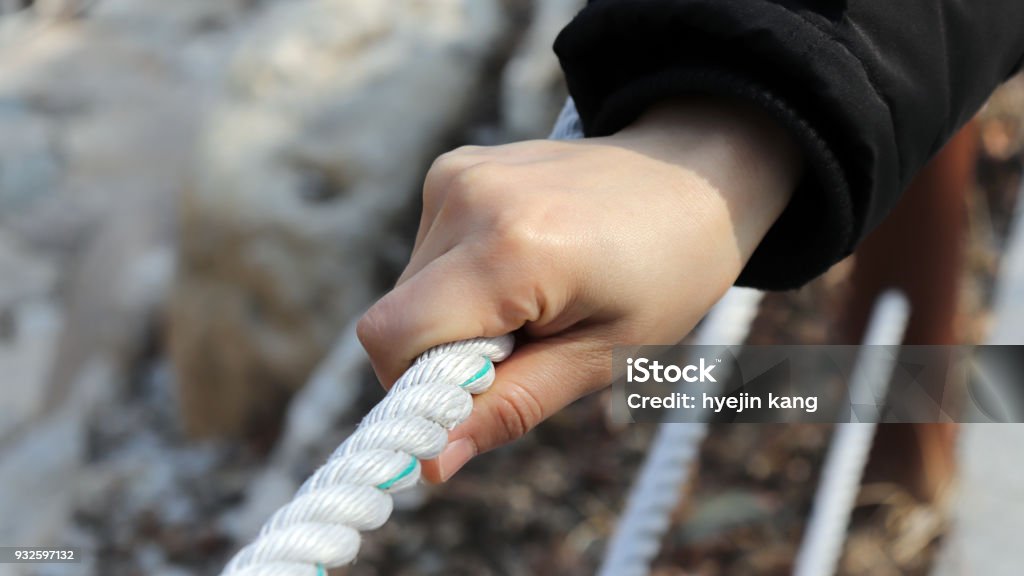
748 163
868 89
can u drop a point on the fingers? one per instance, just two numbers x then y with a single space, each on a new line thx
538 380
454 297
435 244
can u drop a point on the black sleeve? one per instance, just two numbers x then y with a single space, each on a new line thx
870 90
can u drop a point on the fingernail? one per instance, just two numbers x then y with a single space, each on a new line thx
455 457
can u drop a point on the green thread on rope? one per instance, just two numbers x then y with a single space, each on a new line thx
408 470
412 463
320 570
480 373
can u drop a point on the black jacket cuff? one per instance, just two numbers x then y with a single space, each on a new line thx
620 58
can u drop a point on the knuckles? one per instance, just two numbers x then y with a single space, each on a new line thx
473 187
370 330
484 199
444 169
483 194
454 161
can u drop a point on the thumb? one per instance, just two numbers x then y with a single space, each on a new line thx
537 380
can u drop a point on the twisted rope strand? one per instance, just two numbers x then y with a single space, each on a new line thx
657 492
351 492
823 539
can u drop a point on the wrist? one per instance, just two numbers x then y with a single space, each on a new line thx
745 157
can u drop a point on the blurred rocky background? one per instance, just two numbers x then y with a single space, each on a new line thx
198 197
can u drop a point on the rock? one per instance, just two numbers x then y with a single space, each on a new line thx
101 120
332 111
106 108
29 164
724 512
29 328
27 275
60 9
532 86
38 469
25 363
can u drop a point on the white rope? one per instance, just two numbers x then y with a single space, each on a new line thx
840 477
350 493
658 489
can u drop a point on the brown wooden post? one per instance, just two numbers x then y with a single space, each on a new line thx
919 249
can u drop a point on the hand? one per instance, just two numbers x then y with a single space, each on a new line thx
579 245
